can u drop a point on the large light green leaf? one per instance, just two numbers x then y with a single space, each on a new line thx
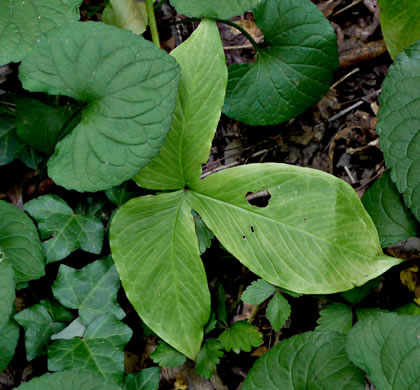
155 249
19 243
7 293
39 327
130 15
314 236
100 351
387 347
22 22
312 360
391 217
399 24
200 99
399 125
68 380
9 141
9 337
294 68
223 9
128 87
92 290
65 230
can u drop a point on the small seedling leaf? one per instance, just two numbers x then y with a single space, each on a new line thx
278 311
208 358
147 379
241 336
257 292
166 356
337 317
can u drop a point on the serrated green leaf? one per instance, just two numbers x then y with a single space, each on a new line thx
129 15
39 327
204 234
92 290
410 308
278 311
241 336
68 231
19 244
363 312
100 351
166 356
155 249
222 9
57 312
399 24
358 294
68 380
391 217
75 329
337 317
128 87
208 358
211 323
257 292
7 293
387 347
294 68
22 22
314 236
199 102
9 141
147 379
9 337
398 125
42 126
312 360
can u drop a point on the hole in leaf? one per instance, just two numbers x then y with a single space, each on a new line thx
258 199
252 229
243 237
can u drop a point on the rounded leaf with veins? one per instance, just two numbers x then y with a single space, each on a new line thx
128 87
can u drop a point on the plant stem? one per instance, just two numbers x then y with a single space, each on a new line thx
152 22
242 30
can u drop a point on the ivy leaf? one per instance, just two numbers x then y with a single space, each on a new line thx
399 24
294 68
23 22
155 249
337 317
311 360
147 379
7 293
200 99
129 15
208 358
92 290
9 337
99 352
398 129
41 125
392 218
313 227
68 380
39 327
68 231
387 347
57 312
19 244
257 292
278 311
241 336
75 329
166 356
204 234
222 9
128 101
358 294
9 141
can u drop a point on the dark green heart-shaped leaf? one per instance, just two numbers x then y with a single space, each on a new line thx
128 88
147 379
257 292
399 24
65 230
311 236
392 218
9 337
41 125
100 351
399 125
337 317
92 290
387 347
22 22
19 243
241 336
223 9
7 293
68 380
208 358
278 311
294 68
9 141
39 327
312 360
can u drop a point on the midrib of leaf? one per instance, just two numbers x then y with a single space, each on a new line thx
60 233
94 288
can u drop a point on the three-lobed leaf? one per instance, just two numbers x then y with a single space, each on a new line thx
128 88
294 68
